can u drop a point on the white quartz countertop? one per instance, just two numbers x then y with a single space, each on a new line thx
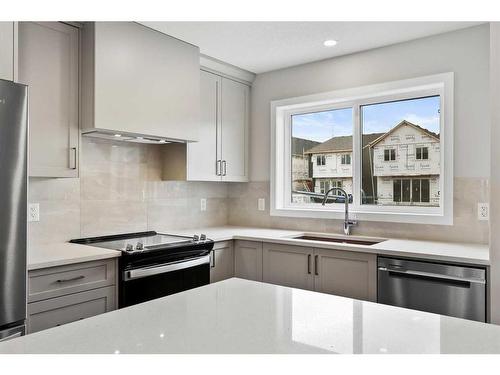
430 250
58 254
242 316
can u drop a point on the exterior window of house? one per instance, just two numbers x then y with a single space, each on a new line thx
422 153
345 159
375 139
390 155
320 160
411 190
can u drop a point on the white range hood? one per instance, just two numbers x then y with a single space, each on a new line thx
138 85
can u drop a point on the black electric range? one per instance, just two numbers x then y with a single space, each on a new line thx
154 265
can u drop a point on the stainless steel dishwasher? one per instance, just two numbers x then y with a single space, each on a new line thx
433 287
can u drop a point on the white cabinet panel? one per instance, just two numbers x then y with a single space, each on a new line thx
288 265
48 64
234 130
203 156
142 81
7 50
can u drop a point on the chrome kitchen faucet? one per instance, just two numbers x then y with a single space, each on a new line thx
347 223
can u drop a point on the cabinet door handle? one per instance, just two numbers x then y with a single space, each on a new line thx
72 158
213 258
316 271
71 279
225 167
218 168
309 264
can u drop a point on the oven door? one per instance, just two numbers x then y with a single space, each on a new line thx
159 280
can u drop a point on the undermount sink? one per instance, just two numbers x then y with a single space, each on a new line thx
352 241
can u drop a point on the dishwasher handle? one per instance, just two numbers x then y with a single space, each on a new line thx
432 275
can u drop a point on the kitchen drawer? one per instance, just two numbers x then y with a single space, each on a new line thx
58 281
57 311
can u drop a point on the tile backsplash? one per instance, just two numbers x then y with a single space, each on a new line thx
120 190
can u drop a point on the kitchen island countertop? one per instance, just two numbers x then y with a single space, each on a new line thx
242 316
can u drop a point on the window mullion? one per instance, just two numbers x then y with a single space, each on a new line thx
356 156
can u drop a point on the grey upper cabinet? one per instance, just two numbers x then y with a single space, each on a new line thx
7 50
203 157
140 81
224 106
49 64
235 99
288 265
222 261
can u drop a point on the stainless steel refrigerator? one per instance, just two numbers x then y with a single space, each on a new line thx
13 207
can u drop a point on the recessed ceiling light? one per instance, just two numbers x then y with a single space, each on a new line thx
329 43
118 135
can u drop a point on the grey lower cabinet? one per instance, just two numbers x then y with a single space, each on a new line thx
343 273
57 311
222 261
287 265
49 65
346 273
248 259
64 294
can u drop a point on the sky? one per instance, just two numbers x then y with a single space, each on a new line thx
376 118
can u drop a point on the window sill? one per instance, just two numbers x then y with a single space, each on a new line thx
432 217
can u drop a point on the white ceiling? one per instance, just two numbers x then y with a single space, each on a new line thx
263 46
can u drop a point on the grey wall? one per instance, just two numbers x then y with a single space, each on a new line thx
495 174
465 52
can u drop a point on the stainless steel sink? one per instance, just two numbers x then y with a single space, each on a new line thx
353 241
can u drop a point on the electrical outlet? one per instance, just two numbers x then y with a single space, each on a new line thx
483 211
203 204
34 212
261 203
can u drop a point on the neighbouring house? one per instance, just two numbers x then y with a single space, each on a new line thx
301 168
332 164
406 166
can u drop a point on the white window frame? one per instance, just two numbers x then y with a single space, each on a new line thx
282 110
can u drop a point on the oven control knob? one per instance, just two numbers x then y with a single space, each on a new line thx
195 237
203 237
139 246
129 247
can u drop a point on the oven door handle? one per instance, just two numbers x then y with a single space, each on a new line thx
164 268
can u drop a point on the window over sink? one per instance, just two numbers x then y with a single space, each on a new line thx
388 146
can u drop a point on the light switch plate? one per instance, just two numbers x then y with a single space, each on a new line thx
203 204
261 203
483 211
34 212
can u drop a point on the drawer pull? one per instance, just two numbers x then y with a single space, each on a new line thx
68 280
